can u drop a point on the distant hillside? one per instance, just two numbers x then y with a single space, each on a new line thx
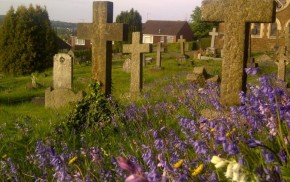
60 24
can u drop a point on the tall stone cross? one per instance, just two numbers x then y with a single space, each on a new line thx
181 40
213 35
102 32
237 16
136 49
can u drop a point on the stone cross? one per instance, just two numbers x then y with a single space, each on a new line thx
282 62
213 35
62 71
237 16
181 40
102 32
158 55
136 49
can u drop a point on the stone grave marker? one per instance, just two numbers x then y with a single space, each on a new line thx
136 49
102 32
200 76
213 34
61 94
282 63
158 55
181 40
237 16
127 65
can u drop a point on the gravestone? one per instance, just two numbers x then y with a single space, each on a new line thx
237 16
282 62
101 33
127 65
181 40
200 76
136 49
213 35
158 55
61 94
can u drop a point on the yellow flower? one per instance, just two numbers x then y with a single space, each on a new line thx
198 170
72 160
178 164
212 130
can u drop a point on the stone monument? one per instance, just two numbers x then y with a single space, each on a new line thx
237 16
211 51
282 63
136 49
61 93
102 32
158 56
181 40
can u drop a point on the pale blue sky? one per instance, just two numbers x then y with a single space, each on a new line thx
81 10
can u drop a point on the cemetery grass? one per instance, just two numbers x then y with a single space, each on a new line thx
155 122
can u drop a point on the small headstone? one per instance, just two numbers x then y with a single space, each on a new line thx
61 94
102 32
264 58
236 15
200 76
136 49
62 71
127 65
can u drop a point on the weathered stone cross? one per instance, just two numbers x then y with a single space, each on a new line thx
181 40
102 32
213 35
282 62
236 14
136 49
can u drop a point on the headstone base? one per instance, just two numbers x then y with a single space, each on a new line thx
60 97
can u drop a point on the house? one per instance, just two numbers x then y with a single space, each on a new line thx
166 31
78 44
266 36
62 45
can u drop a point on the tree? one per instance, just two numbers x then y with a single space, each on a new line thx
199 28
134 24
27 41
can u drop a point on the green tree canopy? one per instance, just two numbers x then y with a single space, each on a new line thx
27 41
134 24
200 28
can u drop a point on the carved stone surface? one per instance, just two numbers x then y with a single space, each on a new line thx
236 15
102 32
62 71
136 49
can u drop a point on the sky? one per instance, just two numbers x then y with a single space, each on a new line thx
81 10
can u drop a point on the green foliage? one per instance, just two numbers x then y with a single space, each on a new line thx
27 41
92 112
199 28
134 22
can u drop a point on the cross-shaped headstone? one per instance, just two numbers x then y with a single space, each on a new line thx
136 49
158 55
282 62
102 32
213 35
181 40
236 15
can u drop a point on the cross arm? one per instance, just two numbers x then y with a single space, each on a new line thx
85 30
116 32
